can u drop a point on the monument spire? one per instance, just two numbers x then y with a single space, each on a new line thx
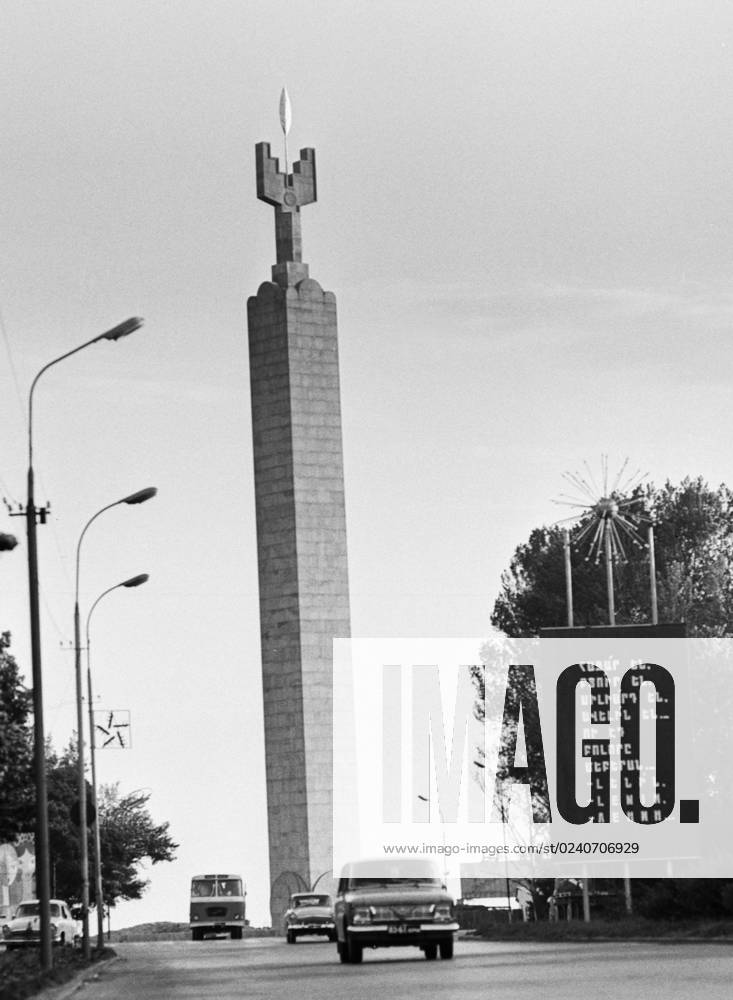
286 192
301 534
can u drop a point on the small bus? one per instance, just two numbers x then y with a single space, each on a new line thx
217 906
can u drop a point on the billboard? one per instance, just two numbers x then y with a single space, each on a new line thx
17 873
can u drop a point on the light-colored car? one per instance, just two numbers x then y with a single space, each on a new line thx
405 903
309 913
24 930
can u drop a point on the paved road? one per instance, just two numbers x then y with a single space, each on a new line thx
268 969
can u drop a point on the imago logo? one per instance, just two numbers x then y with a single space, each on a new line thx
534 751
644 791
598 750
522 714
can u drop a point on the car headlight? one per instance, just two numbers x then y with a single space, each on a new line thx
442 912
361 915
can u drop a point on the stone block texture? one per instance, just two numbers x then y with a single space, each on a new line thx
303 580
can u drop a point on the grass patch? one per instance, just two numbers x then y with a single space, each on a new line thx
169 931
21 975
628 929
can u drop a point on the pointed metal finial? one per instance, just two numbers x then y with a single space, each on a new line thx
286 112
286 118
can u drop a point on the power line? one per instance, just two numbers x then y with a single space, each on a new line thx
11 365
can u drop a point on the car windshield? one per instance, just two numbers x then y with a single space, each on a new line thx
33 909
311 901
368 883
229 887
203 887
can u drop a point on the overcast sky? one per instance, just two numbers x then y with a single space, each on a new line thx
525 214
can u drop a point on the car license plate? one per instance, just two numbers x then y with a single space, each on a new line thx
403 929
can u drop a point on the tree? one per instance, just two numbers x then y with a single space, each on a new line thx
129 836
63 833
128 833
16 748
683 898
694 561
519 697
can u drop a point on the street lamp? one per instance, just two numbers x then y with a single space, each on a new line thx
501 798
426 798
134 581
134 498
43 866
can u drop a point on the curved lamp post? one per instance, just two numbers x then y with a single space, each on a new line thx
43 865
134 581
134 498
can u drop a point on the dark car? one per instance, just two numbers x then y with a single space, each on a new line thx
309 913
375 910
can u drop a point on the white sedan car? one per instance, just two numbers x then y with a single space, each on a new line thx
24 929
309 913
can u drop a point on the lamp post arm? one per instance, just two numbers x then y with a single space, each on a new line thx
45 368
89 616
121 330
81 539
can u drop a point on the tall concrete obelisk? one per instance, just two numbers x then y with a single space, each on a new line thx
301 535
